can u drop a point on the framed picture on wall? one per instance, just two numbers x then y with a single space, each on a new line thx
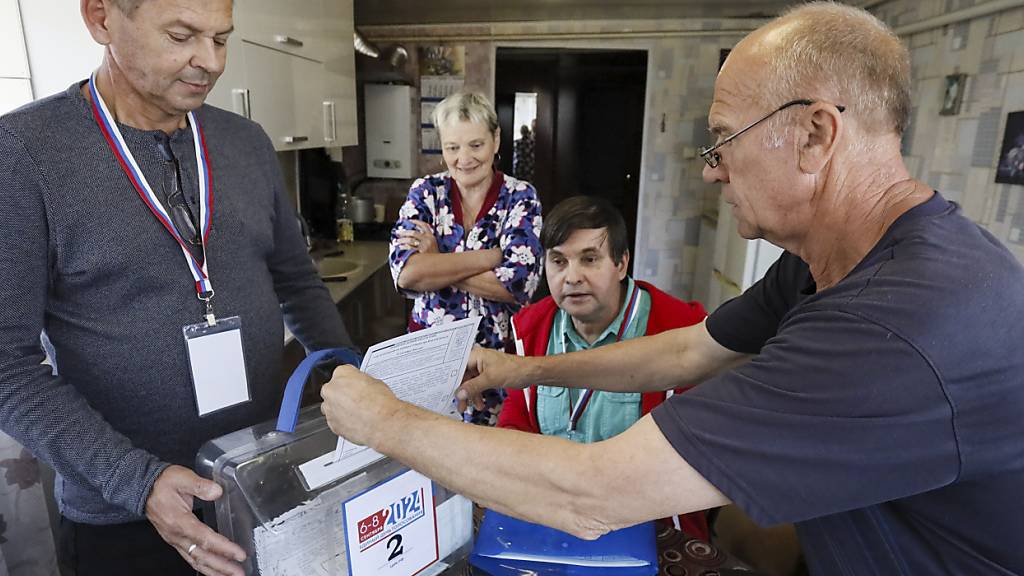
953 94
1011 159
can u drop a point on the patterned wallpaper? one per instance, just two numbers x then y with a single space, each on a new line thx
958 154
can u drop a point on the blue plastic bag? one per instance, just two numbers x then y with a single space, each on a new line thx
506 546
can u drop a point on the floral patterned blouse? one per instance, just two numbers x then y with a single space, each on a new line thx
510 219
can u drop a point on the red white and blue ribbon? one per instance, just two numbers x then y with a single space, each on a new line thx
204 290
576 412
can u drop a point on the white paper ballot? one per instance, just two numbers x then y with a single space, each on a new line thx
423 368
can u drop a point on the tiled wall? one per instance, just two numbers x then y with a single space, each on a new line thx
958 154
683 61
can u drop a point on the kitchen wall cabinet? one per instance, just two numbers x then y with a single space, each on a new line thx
283 96
59 48
291 65
291 68
339 95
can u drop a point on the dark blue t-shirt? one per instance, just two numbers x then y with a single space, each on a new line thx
884 415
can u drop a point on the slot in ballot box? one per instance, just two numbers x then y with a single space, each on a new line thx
293 516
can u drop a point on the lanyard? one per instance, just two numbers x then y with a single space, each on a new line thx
575 413
204 290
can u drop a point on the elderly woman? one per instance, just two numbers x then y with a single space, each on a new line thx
467 240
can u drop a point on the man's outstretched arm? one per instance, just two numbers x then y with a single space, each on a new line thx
583 489
672 359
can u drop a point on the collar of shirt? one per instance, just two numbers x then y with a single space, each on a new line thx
569 340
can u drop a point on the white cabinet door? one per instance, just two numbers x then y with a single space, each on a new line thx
230 92
281 99
60 49
339 108
303 96
294 27
309 112
13 62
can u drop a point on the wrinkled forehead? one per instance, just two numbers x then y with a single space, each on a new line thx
214 16
737 95
455 129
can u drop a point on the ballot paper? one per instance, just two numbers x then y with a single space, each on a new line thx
423 368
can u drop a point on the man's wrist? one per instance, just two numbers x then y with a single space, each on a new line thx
391 411
532 372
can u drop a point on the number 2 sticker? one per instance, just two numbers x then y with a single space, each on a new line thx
397 550
391 529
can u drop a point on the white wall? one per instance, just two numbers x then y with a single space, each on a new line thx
15 86
60 50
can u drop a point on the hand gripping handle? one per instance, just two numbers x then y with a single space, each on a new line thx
289 414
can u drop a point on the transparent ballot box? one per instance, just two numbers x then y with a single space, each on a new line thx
296 512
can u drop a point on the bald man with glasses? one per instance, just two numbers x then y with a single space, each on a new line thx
868 389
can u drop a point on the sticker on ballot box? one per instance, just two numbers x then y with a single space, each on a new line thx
391 528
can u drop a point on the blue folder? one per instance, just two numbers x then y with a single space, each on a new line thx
506 546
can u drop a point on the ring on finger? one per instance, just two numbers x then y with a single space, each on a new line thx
192 548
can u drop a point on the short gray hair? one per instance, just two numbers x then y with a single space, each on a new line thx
844 55
471 106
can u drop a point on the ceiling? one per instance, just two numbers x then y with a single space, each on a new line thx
374 12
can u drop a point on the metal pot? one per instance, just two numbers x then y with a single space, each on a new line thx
362 210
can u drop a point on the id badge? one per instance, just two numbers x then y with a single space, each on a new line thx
218 364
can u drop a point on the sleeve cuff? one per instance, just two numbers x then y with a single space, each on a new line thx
132 481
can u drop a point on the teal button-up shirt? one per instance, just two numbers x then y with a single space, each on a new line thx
607 413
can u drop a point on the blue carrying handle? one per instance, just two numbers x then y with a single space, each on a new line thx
289 414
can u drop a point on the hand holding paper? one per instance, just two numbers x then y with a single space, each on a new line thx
489 369
421 368
356 403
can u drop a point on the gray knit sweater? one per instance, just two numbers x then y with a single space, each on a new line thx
84 260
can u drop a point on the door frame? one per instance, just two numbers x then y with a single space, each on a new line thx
638 264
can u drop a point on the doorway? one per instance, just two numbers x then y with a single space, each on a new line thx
588 132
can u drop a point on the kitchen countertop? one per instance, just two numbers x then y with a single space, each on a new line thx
370 256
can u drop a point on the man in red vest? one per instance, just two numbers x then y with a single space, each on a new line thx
593 302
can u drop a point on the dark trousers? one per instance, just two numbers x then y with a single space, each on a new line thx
117 550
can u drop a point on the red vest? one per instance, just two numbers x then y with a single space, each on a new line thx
531 328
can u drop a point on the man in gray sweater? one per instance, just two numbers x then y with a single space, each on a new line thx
122 200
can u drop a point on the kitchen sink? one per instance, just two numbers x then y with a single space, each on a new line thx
336 267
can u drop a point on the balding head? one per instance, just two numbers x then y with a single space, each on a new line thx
835 53
128 7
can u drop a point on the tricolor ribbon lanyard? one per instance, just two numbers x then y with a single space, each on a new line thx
214 346
111 132
576 412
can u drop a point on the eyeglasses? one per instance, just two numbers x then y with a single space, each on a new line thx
713 158
181 214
